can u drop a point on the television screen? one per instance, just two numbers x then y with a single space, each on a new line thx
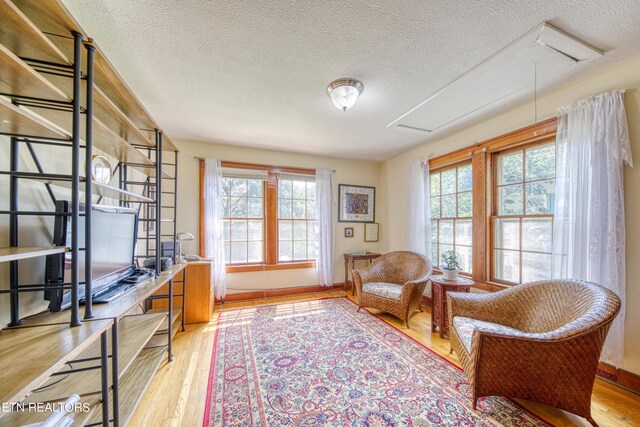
113 244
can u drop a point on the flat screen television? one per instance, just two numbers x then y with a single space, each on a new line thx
114 233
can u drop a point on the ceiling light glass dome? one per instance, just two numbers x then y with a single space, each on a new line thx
344 92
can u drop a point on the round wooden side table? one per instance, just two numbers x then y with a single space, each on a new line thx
439 310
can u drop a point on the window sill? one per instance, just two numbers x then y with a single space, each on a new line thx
246 268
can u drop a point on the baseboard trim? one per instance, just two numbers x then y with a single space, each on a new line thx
620 377
285 292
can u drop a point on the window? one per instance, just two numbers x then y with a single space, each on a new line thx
524 195
243 204
451 211
492 203
269 217
296 219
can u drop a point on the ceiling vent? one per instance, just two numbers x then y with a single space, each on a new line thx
538 59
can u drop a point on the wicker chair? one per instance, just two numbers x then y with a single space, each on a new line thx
394 283
539 341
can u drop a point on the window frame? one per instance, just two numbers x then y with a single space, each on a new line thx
481 155
293 221
495 207
270 203
247 219
455 166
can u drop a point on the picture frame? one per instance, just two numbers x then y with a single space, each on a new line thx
356 203
372 232
348 232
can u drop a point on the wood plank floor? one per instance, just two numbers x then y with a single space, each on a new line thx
176 396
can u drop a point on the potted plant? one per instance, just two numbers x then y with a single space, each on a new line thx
450 265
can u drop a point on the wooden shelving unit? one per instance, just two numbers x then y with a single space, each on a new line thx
43 53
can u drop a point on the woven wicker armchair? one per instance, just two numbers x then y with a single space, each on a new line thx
539 341
394 283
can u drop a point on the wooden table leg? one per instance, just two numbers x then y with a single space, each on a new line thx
353 284
444 317
346 274
434 308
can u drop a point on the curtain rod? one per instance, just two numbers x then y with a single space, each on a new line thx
271 166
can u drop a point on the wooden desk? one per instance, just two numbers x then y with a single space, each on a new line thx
199 297
353 258
440 287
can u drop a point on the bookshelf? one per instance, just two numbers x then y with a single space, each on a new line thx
58 89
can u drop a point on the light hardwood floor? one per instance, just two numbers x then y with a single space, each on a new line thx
176 396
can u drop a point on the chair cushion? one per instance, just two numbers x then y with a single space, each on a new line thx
383 289
465 326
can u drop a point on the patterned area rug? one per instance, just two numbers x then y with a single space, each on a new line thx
319 363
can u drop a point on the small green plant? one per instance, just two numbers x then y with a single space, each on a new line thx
450 260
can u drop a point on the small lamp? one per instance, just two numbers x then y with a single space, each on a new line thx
182 236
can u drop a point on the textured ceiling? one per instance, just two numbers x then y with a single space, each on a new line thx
255 72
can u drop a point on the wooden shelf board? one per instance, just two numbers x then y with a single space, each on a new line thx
102 190
117 308
104 139
175 314
135 382
51 17
17 253
133 334
17 78
17 121
160 340
28 356
23 38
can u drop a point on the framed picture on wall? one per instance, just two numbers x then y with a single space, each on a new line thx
371 232
348 232
356 203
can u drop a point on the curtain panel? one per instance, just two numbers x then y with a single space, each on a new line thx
592 146
419 220
325 227
214 225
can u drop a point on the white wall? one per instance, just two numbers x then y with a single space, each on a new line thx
394 174
346 172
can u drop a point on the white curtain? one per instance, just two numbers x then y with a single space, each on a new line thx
324 227
419 221
213 224
589 225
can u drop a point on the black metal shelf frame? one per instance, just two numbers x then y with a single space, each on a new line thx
14 212
73 107
151 213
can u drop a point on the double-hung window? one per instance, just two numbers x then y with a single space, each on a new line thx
269 217
451 212
492 203
244 215
524 194
296 218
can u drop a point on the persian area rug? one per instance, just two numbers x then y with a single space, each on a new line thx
321 363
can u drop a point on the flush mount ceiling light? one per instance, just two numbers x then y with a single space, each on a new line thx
344 92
